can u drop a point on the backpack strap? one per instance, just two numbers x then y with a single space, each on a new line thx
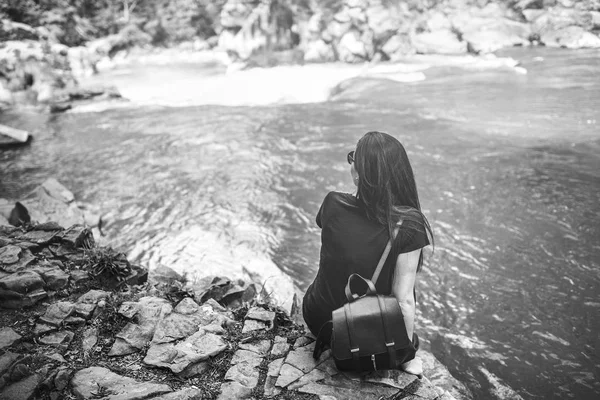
383 258
323 339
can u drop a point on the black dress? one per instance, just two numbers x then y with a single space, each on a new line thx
351 243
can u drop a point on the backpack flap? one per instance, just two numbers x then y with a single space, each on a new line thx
360 325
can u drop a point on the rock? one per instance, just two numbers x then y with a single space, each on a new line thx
234 390
183 394
194 370
393 378
148 312
398 46
261 347
22 282
280 347
9 254
7 337
93 297
76 235
247 357
251 325
62 379
49 202
354 48
241 291
341 388
16 300
243 373
210 287
572 37
41 329
79 277
287 375
313 376
485 35
260 314
87 382
439 375
55 278
57 357
58 339
90 338
302 341
56 313
25 258
302 359
318 51
6 360
383 21
22 390
198 347
440 42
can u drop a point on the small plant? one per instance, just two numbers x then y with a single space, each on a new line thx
106 261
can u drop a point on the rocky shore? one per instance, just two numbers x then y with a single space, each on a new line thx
37 71
79 321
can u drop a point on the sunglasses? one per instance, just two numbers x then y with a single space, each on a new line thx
350 157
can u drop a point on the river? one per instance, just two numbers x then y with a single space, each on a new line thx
507 164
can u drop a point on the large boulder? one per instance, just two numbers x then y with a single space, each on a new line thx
571 37
439 42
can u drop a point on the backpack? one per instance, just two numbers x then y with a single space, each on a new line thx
368 332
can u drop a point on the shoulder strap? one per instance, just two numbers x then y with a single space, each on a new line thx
384 256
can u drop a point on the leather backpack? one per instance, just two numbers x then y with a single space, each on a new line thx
368 332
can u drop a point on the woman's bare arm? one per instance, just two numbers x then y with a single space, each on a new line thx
403 285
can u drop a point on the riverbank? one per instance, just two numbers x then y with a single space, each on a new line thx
40 72
80 321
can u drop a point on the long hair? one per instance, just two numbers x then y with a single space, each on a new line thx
387 187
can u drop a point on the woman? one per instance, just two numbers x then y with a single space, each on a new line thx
356 229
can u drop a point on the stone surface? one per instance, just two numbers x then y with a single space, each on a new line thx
260 314
287 375
260 347
571 37
62 379
7 337
9 254
61 338
56 313
280 347
86 383
247 357
6 360
22 282
234 390
251 325
198 347
25 258
183 394
245 374
21 390
439 42
90 338
147 313
55 278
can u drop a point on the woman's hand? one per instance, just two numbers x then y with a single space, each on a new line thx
414 366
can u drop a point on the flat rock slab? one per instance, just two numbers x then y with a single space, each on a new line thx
56 313
183 394
86 384
177 357
280 347
7 337
6 360
21 390
9 254
62 338
22 282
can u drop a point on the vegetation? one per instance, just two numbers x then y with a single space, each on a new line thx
74 22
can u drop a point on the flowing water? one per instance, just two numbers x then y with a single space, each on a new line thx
508 170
